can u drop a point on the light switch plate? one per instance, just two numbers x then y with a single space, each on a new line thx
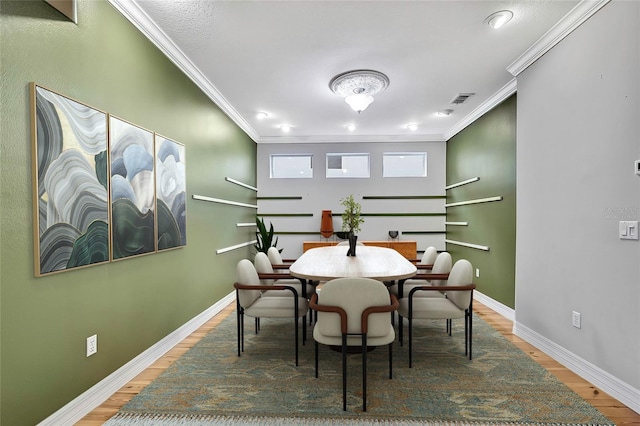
638 167
628 229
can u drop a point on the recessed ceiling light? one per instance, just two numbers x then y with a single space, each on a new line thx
444 113
413 127
262 115
351 127
285 127
498 19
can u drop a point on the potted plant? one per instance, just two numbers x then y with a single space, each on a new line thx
351 221
264 236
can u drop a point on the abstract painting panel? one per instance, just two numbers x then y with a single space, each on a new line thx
132 189
70 169
171 190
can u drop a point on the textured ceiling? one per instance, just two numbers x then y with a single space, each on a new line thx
279 56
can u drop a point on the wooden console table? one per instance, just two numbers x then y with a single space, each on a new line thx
408 249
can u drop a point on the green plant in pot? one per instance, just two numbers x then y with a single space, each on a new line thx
351 221
265 236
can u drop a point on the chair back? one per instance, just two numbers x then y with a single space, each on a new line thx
263 266
246 274
274 256
461 274
354 295
442 265
429 256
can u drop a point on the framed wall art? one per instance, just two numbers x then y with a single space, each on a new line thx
70 178
171 191
132 189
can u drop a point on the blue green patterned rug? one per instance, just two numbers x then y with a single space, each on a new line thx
210 384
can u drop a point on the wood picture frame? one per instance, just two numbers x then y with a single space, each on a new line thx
70 185
171 194
132 183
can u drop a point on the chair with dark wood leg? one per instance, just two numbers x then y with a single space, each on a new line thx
354 312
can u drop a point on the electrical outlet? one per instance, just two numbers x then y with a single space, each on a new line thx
92 345
477 272
576 319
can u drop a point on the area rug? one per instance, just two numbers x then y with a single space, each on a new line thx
210 384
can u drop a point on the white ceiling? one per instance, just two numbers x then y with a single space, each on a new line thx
279 56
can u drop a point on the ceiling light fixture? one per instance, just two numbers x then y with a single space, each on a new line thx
444 113
261 115
413 127
285 127
351 127
358 87
498 19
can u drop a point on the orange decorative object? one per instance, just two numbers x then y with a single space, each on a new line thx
326 224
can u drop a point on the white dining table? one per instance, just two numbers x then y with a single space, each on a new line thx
327 263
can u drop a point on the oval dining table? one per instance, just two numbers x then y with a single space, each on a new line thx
327 263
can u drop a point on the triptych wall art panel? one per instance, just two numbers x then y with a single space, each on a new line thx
132 189
71 203
104 188
171 190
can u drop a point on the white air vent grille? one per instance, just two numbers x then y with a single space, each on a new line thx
461 98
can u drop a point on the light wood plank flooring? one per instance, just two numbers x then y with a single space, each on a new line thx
610 407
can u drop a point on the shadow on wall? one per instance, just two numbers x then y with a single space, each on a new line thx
31 9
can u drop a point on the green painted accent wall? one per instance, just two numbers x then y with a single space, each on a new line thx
487 149
130 304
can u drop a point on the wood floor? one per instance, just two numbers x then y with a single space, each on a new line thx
610 407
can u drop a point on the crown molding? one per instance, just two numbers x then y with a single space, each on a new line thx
351 138
572 20
132 12
495 99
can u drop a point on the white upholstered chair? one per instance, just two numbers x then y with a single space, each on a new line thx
269 277
458 303
436 277
249 301
354 312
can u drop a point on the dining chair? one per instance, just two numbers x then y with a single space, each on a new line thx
269 277
250 301
427 259
437 275
354 312
458 303
277 262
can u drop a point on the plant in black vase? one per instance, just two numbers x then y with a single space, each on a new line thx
351 221
265 236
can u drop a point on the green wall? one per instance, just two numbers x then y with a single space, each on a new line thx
486 149
130 304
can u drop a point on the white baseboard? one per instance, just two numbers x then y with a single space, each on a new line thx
100 392
615 387
503 310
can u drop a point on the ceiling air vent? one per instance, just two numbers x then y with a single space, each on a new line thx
461 97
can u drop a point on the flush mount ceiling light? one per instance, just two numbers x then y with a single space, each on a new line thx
351 127
412 126
498 19
285 128
262 115
444 113
358 87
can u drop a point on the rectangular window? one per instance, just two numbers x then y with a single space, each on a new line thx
291 166
347 165
404 164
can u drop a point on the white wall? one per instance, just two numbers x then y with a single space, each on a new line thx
321 193
578 137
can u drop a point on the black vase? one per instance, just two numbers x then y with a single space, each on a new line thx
353 239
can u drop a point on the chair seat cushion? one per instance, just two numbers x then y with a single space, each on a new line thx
430 308
277 307
354 340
